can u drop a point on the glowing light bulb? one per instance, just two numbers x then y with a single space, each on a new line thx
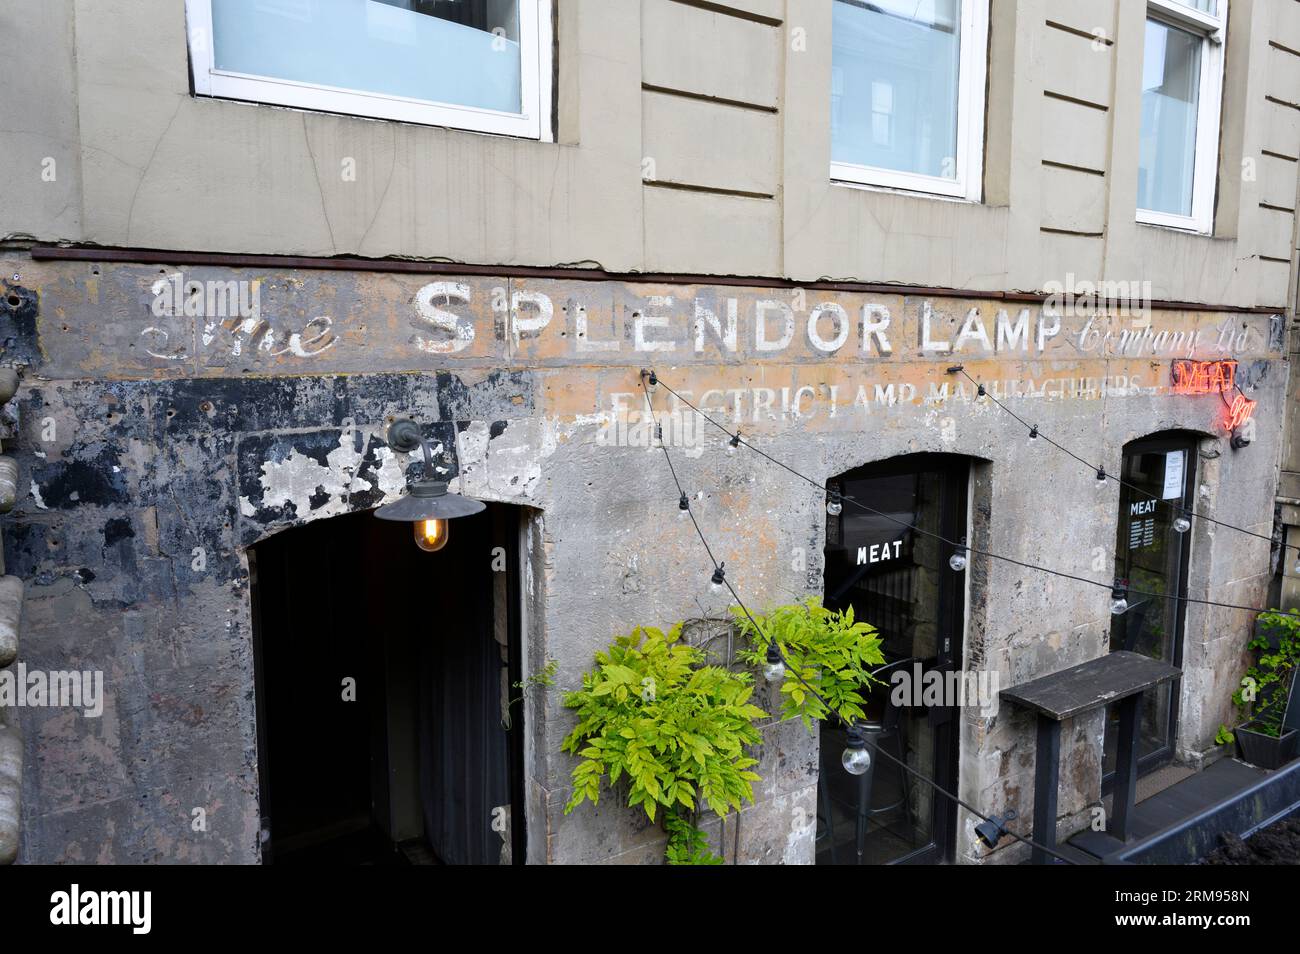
431 535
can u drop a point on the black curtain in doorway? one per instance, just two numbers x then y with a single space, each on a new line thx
464 753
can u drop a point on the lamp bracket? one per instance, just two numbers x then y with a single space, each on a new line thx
404 436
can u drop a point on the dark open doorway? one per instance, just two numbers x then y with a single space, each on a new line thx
1152 556
421 762
892 567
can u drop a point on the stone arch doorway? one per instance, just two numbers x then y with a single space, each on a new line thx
900 581
387 733
1153 559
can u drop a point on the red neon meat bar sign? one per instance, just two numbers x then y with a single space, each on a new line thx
1204 377
1239 411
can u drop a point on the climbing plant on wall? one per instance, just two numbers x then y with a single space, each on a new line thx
656 717
822 649
654 712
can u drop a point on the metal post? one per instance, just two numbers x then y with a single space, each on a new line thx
1047 760
1125 767
865 787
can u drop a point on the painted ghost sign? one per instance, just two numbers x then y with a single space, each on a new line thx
749 354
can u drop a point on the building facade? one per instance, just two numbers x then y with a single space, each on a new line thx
881 243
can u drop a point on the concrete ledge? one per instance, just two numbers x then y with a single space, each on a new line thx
11 614
11 774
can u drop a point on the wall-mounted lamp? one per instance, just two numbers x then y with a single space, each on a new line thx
427 505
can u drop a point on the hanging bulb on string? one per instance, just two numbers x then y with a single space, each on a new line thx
734 444
1181 522
1118 598
979 391
683 508
1033 433
1101 475
773 664
958 559
833 505
650 379
856 759
719 577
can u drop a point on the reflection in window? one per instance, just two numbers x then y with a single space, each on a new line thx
460 52
1171 77
897 62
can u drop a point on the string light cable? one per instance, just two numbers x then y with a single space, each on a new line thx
648 380
969 548
1179 509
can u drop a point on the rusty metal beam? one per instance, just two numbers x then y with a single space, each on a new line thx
354 263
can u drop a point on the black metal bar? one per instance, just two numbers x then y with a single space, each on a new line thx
864 810
567 273
1046 767
1126 774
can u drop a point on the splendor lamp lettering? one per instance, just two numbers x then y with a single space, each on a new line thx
451 317
665 322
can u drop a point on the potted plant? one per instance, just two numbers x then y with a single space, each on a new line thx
1266 737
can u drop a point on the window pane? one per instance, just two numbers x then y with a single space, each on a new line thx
894 75
1171 78
463 52
1205 6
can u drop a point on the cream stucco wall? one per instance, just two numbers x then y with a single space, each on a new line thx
729 100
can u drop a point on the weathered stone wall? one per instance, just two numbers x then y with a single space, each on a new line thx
155 447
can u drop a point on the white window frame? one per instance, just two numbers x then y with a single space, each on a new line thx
972 69
534 122
1205 166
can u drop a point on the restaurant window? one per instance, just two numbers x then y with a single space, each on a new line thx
907 94
1158 478
481 65
1182 89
